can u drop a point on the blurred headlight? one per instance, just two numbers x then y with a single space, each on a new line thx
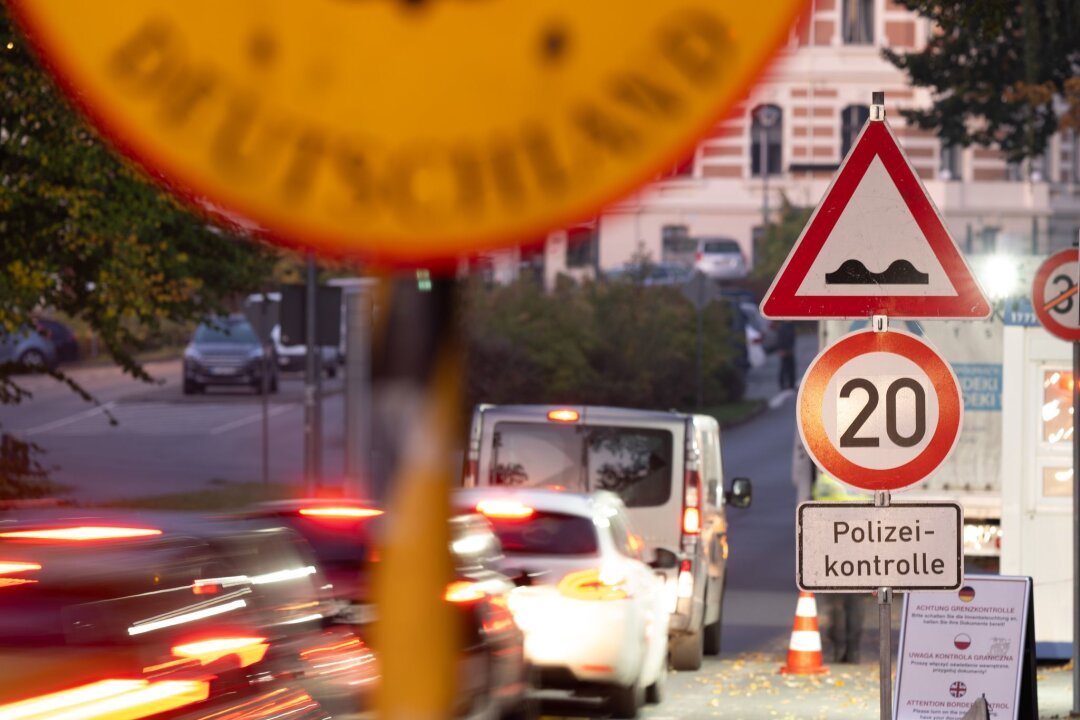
191 353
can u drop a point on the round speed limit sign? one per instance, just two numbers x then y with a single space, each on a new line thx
879 410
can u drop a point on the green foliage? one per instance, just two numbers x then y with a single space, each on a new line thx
779 239
616 343
87 235
996 70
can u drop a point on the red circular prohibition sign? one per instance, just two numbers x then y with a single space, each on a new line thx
811 402
1039 301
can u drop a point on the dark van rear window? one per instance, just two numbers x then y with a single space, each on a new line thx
547 534
635 463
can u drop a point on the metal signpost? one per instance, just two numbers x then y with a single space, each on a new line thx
1053 296
879 409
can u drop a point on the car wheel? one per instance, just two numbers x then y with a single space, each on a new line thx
331 371
624 701
654 694
273 383
33 359
192 388
687 651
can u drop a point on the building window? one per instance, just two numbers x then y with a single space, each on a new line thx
766 140
858 22
950 161
581 246
676 244
852 118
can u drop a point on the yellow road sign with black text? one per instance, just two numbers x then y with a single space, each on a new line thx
406 131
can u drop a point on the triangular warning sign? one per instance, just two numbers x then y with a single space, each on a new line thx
876 245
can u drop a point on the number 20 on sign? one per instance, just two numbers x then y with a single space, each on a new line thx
879 410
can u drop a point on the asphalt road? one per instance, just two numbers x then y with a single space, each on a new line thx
143 439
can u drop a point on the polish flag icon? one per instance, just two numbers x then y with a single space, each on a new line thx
962 641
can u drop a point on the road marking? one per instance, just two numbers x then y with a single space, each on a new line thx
70 419
780 398
256 417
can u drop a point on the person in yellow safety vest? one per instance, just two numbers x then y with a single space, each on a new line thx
845 611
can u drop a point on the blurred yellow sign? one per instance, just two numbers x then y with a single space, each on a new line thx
406 130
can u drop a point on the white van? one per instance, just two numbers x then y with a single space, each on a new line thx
666 467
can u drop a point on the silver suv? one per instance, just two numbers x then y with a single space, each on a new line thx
666 467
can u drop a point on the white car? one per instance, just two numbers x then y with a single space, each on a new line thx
720 259
594 614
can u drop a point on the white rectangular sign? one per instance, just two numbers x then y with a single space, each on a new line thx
958 646
858 547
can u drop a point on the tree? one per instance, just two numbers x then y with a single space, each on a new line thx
779 239
87 234
1002 73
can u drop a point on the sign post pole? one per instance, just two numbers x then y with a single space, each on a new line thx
1076 530
884 600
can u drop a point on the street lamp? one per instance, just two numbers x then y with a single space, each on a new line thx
767 116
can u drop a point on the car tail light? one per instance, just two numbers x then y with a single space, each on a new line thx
593 585
691 521
81 533
565 415
114 699
341 512
686 579
691 524
10 567
504 509
248 650
463 591
698 257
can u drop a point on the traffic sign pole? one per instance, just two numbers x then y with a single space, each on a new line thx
1076 530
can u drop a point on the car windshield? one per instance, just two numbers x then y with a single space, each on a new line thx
546 533
239 333
635 463
721 246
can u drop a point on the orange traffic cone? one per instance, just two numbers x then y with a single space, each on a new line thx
804 651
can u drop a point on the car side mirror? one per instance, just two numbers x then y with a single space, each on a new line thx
740 493
663 560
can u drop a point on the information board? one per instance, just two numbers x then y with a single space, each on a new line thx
956 647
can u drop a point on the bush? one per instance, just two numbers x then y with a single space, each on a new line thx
617 343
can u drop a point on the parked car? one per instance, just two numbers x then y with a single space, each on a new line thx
62 338
173 617
720 258
226 351
595 615
294 357
29 348
665 466
345 537
650 274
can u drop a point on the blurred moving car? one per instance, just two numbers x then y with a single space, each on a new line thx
62 338
595 615
344 535
226 351
169 617
720 258
27 347
665 466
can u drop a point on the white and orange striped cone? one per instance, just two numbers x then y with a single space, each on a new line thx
804 651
